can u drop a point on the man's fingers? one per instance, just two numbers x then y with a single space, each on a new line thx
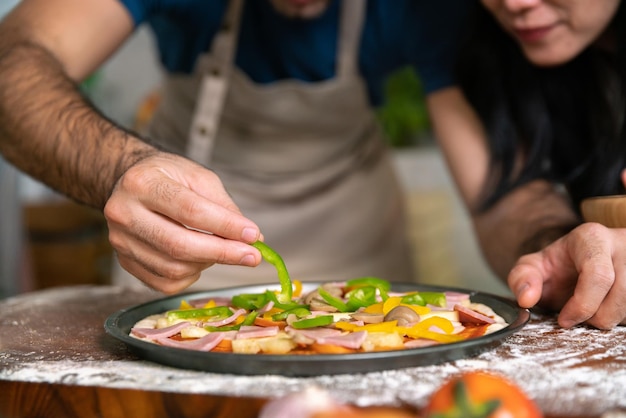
183 205
170 218
156 281
157 234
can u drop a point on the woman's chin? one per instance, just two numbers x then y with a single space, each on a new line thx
543 57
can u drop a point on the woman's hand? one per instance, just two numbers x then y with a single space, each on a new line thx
153 216
582 274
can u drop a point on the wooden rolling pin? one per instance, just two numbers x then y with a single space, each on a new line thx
610 211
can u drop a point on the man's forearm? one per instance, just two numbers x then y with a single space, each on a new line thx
49 130
525 221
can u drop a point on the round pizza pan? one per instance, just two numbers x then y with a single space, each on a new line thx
119 324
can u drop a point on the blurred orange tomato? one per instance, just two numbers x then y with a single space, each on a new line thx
479 394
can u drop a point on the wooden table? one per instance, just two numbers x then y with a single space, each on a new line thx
57 361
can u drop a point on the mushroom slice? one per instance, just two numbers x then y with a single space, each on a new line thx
368 318
317 303
403 314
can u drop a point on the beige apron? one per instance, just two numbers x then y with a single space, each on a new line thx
305 161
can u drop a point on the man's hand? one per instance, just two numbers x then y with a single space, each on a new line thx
154 213
582 274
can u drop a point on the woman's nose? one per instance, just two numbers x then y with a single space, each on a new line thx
520 5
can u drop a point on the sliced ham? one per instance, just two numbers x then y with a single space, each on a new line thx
352 340
422 342
314 333
458 328
155 333
454 298
467 315
229 335
269 305
206 343
226 321
252 331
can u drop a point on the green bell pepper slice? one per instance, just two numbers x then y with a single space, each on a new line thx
272 257
218 312
434 298
299 311
369 281
318 321
271 296
382 285
333 301
413 299
249 301
361 297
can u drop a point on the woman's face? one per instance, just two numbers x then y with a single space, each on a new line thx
302 9
552 32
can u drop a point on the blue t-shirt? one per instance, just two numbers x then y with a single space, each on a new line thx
397 33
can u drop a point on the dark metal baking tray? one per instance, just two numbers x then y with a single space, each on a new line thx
119 324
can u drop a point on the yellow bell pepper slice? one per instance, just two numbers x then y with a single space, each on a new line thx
394 301
388 327
442 323
442 338
345 326
184 305
420 310
376 308
297 287
273 311
391 303
421 330
210 304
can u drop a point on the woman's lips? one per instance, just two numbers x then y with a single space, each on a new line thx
533 34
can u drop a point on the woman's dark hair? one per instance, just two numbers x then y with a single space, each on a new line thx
566 121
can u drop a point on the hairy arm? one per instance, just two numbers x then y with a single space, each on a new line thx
149 197
47 128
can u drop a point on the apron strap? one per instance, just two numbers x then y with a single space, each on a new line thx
214 86
351 27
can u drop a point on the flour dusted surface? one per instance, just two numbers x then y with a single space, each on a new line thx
569 372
